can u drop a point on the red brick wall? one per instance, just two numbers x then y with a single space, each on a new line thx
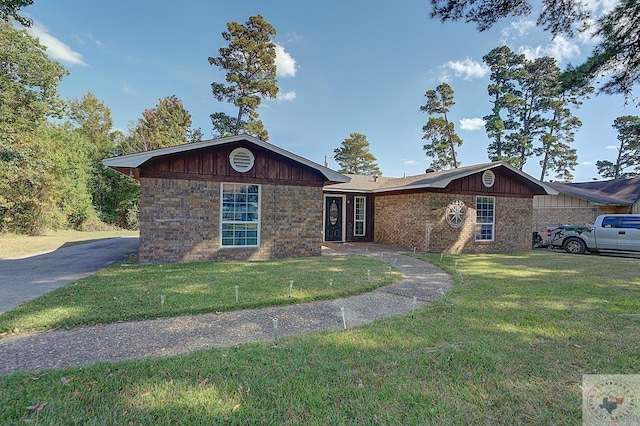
180 222
419 220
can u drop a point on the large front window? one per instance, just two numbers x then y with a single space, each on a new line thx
240 215
485 218
360 214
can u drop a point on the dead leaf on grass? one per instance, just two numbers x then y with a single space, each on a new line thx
38 407
235 408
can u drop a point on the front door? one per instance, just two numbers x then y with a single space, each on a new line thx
333 219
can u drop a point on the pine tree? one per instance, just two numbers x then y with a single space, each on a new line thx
354 156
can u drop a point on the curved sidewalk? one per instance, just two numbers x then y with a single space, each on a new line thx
171 336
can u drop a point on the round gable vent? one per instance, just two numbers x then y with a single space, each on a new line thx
241 160
488 178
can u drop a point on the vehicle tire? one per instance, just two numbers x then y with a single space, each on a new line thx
574 246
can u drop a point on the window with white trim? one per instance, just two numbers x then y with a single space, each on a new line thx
360 216
485 218
240 215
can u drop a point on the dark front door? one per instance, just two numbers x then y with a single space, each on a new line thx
333 219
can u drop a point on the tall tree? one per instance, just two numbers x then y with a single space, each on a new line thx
354 156
559 130
26 186
535 81
503 64
628 128
70 175
114 196
9 10
249 63
94 120
537 99
614 55
439 130
28 83
167 124
28 95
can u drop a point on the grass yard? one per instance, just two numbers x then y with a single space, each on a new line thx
134 292
14 246
509 346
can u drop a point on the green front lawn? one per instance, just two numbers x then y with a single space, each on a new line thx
134 292
509 346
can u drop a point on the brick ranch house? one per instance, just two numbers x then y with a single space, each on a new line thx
234 198
240 198
473 209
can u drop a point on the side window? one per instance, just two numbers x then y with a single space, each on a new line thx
240 215
630 222
485 214
609 222
360 215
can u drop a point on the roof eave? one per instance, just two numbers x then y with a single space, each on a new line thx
138 159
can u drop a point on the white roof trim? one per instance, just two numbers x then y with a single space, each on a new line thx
136 160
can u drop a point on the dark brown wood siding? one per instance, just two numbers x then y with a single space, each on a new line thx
369 212
213 164
506 184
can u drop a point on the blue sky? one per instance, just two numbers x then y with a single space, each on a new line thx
344 67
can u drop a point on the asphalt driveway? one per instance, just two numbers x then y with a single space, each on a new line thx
24 279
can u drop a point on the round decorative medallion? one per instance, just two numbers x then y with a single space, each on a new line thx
456 213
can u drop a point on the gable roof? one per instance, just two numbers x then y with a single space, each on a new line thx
134 161
616 192
439 179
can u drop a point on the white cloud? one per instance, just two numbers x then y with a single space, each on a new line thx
410 162
288 96
472 123
587 163
560 49
612 147
55 48
285 64
600 7
468 68
517 29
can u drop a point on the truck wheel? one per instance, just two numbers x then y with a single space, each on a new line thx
574 246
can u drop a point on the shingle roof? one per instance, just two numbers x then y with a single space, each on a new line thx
138 159
617 192
438 179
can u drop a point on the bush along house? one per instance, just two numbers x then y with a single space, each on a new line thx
240 198
474 209
234 198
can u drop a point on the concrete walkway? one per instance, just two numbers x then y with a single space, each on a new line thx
171 336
